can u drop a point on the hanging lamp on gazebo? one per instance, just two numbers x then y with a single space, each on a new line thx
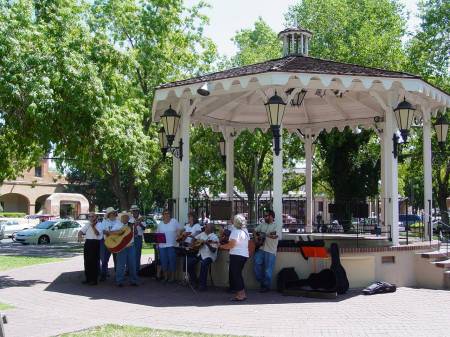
275 108
441 128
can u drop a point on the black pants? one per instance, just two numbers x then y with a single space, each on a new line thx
91 260
236 280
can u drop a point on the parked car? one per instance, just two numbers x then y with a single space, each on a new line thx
13 225
2 230
51 231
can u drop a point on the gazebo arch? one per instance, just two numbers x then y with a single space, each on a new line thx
53 203
320 95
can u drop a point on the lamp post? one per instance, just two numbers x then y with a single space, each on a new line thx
170 121
404 115
441 128
222 148
275 108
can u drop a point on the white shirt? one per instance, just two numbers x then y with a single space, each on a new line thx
170 230
205 252
107 225
241 237
89 233
270 245
118 225
139 230
195 230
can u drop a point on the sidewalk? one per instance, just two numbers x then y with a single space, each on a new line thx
50 300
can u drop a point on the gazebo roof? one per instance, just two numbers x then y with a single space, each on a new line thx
338 94
293 64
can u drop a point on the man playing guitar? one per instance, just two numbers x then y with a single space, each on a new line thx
207 243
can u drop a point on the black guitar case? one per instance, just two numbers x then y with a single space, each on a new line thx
342 284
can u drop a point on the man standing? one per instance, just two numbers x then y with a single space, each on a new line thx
139 226
107 224
268 233
91 249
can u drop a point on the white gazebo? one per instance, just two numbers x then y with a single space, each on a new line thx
312 95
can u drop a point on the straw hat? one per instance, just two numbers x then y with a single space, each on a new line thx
134 208
110 210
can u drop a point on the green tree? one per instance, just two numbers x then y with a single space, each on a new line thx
365 32
428 53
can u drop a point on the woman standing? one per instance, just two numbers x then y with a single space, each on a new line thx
238 246
167 255
91 249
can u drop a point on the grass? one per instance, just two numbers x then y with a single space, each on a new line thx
112 330
4 306
11 262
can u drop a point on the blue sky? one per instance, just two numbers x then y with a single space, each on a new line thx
229 16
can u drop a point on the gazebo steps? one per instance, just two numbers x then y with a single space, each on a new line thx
433 255
442 264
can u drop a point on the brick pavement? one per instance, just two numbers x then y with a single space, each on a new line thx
50 300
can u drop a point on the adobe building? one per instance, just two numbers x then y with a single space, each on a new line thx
28 192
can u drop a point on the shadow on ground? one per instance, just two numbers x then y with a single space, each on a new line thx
156 294
53 250
10 282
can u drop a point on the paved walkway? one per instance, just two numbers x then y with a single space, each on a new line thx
50 300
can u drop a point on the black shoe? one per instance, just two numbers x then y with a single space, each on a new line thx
201 289
102 279
134 285
120 285
85 282
264 290
93 283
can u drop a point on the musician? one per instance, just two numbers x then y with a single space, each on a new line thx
167 255
126 257
265 256
238 246
203 219
192 228
107 224
91 250
139 225
207 254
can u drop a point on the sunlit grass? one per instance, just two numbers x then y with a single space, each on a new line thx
11 262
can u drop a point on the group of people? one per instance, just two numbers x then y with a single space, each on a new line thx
197 238
97 255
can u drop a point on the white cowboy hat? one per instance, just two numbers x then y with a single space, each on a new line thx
134 208
110 210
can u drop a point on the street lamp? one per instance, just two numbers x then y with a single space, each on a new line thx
222 147
170 121
163 141
441 127
275 108
404 114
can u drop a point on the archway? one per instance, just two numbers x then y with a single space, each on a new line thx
15 202
40 202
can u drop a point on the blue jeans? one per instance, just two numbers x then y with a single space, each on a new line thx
126 258
263 265
168 258
138 251
204 267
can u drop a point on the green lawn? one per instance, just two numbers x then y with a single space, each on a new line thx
11 262
111 330
4 306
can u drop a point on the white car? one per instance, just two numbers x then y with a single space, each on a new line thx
2 230
13 225
51 231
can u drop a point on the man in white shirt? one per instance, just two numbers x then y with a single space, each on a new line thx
265 256
207 254
91 250
106 225
139 226
126 258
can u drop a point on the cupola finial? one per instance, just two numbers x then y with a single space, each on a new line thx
295 41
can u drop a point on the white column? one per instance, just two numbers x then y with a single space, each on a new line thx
183 203
308 142
383 183
229 151
390 175
175 181
427 175
278 183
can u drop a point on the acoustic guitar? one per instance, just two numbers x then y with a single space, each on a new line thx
118 241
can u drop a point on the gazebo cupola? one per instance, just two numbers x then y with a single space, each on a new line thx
295 41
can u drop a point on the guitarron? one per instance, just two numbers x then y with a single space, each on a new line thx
117 242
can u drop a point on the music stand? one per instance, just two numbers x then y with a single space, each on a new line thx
154 239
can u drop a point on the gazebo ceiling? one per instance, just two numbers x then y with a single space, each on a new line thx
338 94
